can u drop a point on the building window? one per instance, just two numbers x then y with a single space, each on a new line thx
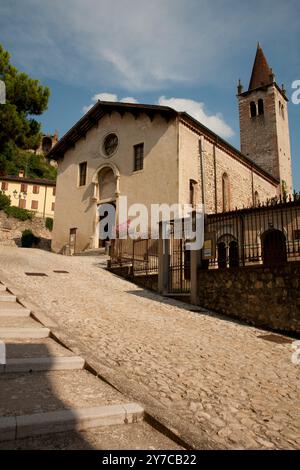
225 192
193 192
260 106
256 199
138 157
24 188
22 203
4 185
253 109
36 189
82 173
54 191
53 206
34 205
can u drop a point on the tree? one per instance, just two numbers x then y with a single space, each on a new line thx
19 131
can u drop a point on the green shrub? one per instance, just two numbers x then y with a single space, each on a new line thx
28 239
19 213
4 201
49 223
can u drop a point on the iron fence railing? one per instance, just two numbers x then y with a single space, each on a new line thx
141 254
268 234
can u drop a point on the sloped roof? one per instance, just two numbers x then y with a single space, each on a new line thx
91 118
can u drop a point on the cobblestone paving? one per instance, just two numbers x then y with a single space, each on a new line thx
216 373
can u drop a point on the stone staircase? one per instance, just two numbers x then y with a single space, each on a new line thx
49 400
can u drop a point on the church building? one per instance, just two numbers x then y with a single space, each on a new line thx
154 154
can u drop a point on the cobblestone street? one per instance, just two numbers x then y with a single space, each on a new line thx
239 389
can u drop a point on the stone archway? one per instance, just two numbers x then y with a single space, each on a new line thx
228 251
106 191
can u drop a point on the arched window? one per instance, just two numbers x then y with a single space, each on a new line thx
225 192
256 199
193 185
253 112
260 106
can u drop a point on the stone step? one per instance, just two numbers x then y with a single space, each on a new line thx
35 348
43 364
74 419
13 309
138 436
7 297
43 392
15 332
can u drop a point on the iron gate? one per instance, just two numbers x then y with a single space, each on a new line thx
180 266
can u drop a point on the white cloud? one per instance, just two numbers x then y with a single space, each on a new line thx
107 97
196 109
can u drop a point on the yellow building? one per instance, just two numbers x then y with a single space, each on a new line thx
34 194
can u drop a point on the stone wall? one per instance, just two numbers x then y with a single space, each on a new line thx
262 296
149 281
11 231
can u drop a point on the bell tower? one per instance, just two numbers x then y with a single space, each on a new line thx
264 126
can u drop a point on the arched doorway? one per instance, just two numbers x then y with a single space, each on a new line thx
107 191
222 261
273 247
233 254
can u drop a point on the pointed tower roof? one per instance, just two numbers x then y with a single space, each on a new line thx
261 73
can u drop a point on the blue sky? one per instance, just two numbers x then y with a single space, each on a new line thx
189 53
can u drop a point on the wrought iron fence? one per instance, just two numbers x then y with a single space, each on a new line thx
141 254
268 234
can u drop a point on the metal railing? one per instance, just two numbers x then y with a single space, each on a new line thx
268 234
141 254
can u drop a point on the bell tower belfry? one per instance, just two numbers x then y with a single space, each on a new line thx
264 126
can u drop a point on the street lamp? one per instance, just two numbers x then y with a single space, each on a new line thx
19 195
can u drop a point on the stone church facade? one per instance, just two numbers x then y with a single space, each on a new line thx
154 154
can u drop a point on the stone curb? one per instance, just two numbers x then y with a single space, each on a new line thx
76 419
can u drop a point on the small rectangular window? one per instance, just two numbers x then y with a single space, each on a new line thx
4 185
34 205
138 157
54 191
36 189
82 173
24 188
53 206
